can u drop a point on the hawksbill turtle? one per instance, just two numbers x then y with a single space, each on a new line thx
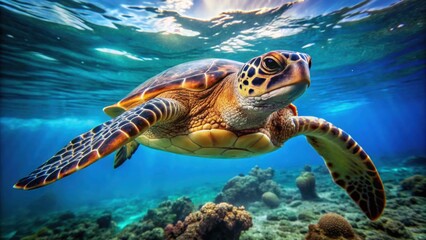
223 109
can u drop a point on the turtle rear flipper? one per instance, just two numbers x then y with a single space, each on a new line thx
125 153
349 165
101 141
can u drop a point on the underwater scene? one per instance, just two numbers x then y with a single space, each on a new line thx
231 119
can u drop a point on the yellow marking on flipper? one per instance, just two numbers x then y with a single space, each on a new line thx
127 135
159 111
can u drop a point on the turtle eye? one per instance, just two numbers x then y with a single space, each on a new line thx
271 65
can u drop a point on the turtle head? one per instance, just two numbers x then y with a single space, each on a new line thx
273 80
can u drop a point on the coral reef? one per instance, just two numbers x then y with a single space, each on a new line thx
416 184
271 199
131 218
306 184
289 221
213 222
331 226
104 221
152 224
262 174
241 190
69 226
393 228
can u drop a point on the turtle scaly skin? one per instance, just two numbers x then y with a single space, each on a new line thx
222 109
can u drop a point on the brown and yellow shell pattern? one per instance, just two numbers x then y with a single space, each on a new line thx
195 76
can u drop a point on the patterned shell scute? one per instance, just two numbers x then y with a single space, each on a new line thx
195 76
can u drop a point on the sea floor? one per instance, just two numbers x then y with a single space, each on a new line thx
404 216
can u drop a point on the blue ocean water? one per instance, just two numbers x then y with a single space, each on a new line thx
63 61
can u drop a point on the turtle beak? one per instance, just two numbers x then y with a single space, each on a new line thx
301 74
308 75
309 59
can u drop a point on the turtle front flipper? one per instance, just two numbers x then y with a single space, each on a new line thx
349 165
101 141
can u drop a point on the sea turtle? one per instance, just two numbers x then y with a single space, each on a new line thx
223 109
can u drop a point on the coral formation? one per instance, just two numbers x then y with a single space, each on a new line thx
393 228
152 224
270 186
271 199
262 174
69 226
239 190
213 221
245 189
104 221
306 184
331 226
416 184
335 225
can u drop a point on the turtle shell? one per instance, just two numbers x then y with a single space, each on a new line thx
194 76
